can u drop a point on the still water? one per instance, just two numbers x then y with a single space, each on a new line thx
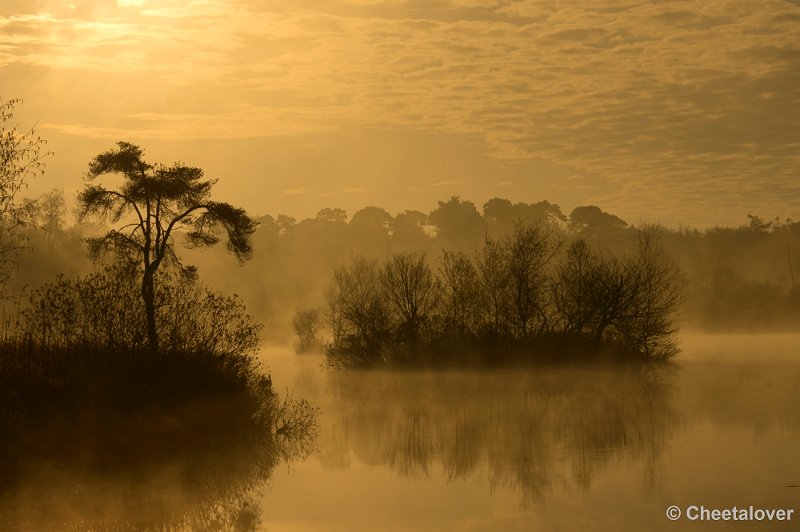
547 449
557 448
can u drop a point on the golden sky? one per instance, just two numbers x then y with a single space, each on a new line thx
680 112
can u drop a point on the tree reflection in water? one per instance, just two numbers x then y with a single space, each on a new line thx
536 430
200 469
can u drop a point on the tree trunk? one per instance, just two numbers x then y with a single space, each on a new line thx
148 296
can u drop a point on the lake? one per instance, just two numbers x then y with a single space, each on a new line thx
543 448
548 448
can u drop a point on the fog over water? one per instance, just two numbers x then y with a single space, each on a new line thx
565 447
399 265
598 448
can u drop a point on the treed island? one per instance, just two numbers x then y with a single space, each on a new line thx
131 397
130 349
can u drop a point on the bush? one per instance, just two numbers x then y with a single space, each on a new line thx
105 309
307 325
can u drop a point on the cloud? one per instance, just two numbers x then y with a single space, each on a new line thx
437 185
300 191
655 98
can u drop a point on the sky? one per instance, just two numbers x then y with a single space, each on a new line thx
678 112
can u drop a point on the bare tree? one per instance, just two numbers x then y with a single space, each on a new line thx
307 325
21 158
358 315
527 254
462 298
494 285
650 328
413 293
630 302
572 289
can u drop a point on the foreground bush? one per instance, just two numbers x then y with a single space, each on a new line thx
104 309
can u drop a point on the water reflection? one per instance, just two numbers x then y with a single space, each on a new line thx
196 469
536 431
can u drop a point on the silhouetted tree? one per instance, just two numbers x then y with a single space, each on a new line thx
332 215
358 314
495 285
758 224
408 231
462 299
501 215
591 221
51 211
370 229
650 330
527 253
307 325
153 203
631 302
413 294
458 223
573 287
21 158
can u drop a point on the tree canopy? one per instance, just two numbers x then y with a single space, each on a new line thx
154 203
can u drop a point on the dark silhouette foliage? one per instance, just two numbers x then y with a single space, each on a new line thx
101 309
82 392
153 203
512 301
21 158
121 424
413 294
358 315
307 325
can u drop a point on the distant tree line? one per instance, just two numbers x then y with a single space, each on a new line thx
737 278
522 295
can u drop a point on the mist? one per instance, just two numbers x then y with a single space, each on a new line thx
474 265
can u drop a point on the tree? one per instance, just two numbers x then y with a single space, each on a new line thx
501 215
408 231
459 225
413 293
528 251
462 300
370 228
153 203
48 211
21 157
573 287
590 220
307 325
651 328
494 285
629 302
359 317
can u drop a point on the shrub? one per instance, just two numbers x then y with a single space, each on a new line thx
307 325
105 309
